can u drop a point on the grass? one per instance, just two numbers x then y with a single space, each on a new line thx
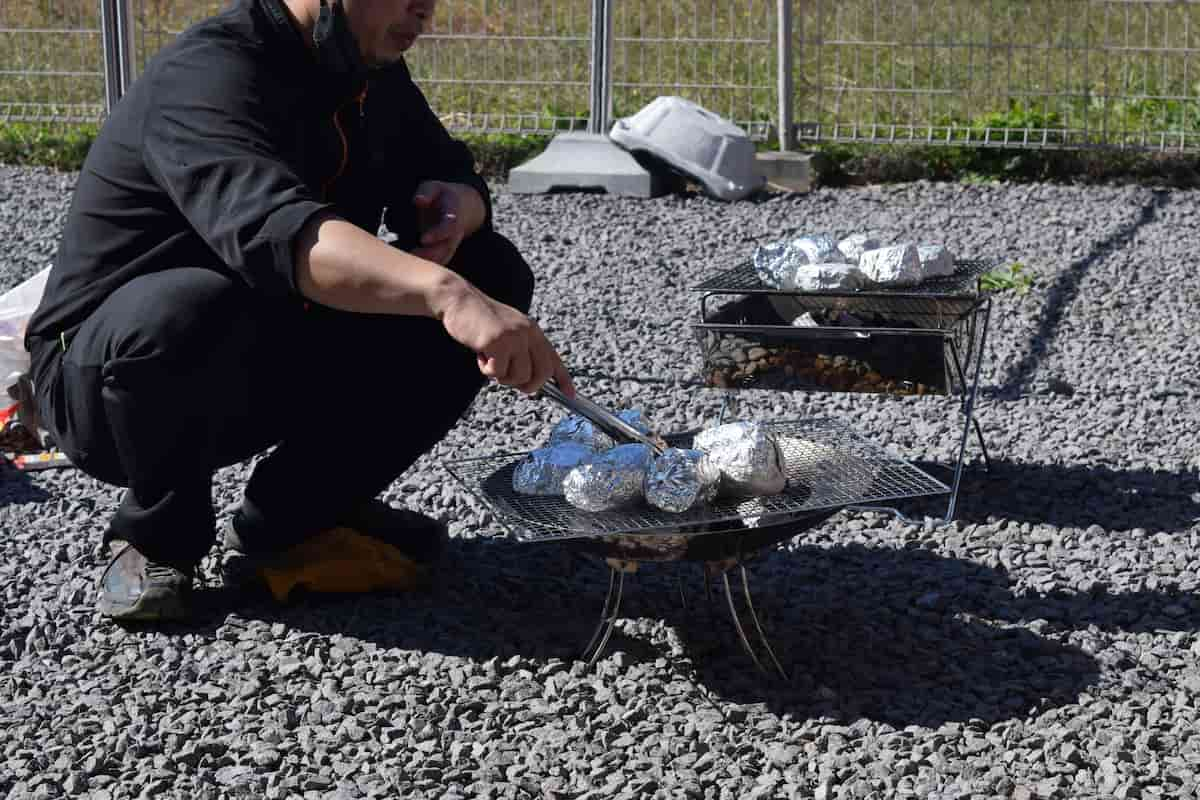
1014 277
1064 75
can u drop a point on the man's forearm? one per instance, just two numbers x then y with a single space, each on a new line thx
338 264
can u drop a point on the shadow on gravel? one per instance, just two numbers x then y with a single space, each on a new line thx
17 488
1061 294
897 636
1068 496
910 637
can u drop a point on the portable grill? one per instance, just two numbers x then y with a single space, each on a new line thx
921 340
828 467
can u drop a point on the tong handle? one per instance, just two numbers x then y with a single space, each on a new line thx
606 421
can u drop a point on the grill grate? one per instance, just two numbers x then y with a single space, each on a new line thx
828 466
963 284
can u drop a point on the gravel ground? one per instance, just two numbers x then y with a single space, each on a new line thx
1044 645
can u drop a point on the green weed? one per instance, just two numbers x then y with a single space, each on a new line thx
1014 277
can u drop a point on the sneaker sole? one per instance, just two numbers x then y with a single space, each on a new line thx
149 607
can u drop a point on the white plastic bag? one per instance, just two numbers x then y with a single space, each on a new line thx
16 307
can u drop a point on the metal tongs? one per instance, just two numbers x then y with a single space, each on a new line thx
605 420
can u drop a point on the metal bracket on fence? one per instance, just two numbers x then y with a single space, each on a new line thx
600 113
116 31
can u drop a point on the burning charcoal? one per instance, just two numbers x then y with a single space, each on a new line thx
844 319
826 276
543 470
854 245
936 260
747 456
611 480
681 479
892 266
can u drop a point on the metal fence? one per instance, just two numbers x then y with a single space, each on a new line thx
1018 73
1024 73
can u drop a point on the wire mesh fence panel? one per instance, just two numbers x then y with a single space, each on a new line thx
51 61
157 22
1015 73
719 54
506 66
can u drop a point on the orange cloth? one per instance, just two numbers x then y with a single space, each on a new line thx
341 560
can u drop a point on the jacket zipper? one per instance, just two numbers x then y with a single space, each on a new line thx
337 124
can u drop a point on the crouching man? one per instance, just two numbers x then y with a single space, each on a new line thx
219 290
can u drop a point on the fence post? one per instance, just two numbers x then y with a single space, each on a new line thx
600 110
116 33
786 134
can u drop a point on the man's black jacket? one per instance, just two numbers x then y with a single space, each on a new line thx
236 134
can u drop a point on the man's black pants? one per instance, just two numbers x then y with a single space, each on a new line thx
185 371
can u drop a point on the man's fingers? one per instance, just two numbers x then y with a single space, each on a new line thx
543 367
520 370
496 366
443 231
563 378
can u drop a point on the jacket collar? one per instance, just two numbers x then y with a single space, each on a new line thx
334 56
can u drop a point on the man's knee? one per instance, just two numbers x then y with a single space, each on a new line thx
493 263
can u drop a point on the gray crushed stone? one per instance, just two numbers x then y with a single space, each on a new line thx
1044 645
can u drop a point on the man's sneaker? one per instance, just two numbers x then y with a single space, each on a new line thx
420 538
135 588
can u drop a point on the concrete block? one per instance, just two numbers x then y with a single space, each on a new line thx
578 160
786 171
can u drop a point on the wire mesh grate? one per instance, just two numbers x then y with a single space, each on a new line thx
963 284
828 465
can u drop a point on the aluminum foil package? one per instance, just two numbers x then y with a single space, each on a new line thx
775 264
936 260
611 480
578 430
575 428
854 245
680 480
542 471
747 456
819 249
635 419
899 265
826 277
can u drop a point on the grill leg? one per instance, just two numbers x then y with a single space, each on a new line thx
608 618
762 637
737 623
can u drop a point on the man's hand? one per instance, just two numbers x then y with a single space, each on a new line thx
446 214
509 346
